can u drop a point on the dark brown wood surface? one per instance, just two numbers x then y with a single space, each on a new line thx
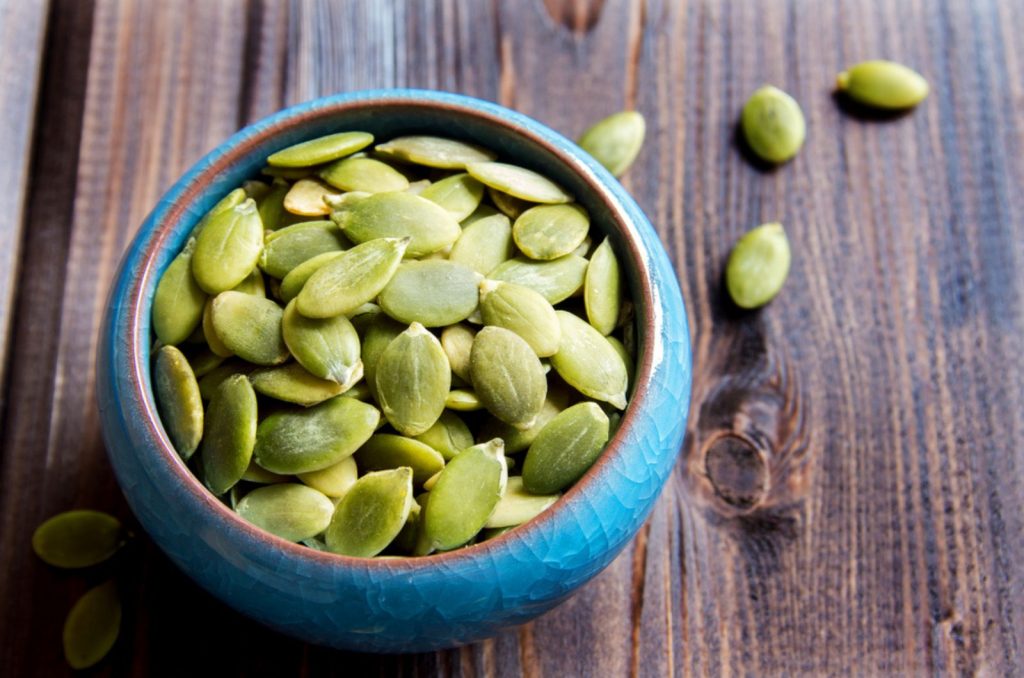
849 499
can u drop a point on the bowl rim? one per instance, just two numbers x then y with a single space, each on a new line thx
157 230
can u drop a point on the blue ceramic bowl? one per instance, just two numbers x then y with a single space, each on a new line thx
397 605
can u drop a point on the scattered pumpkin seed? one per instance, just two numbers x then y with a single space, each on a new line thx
92 626
428 226
290 511
250 327
432 293
523 311
178 400
555 280
588 363
460 194
413 379
371 514
386 451
507 376
518 182
449 435
435 151
321 150
517 506
615 141
602 289
883 84
364 174
548 232
79 538
227 445
773 124
179 300
465 496
356 277
228 248
758 266
334 481
565 449
292 383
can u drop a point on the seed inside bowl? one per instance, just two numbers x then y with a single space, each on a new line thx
382 333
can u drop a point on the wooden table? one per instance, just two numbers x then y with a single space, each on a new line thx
850 496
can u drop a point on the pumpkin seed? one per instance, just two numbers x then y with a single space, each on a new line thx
204 361
507 376
548 232
321 150
457 342
92 626
271 206
255 189
463 400
459 194
602 289
517 506
518 182
371 514
380 332
293 283
212 380
210 333
253 284
287 248
328 347
178 400
435 151
758 266
364 174
334 481
555 280
228 248
510 206
615 141
257 474
627 359
386 451
250 327
179 300
429 483
308 198
523 311
417 187
80 538
346 283
883 84
292 173
565 449
398 215
288 510
230 434
449 435
773 124
483 211
405 542
432 293
465 496
229 201
588 363
413 379
484 244
292 383
312 439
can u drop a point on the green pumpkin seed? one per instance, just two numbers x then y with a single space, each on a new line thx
386 451
292 442
250 327
372 513
361 391
413 379
178 400
213 341
364 174
457 342
517 506
548 232
204 361
92 626
230 434
405 542
292 383
883 84
293 283
334 481
588 363
484 244
321 150
430 482
602 289
80 538
257 474
253 284
523 311
343 285
435 151
178 301
417 187
308 198
288 510
271 205
432 293
292 173
459 194
507 376
565 449
449 435
584 249
509 206
555 280
380 332
627 359
483 211
287 248
212 380
429 226
615 141
518 182
465 496
255 189
488 533
758 266
463 400
228 202
228 248
328 348
773 124
517 440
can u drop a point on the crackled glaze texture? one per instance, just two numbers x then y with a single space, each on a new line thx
406 604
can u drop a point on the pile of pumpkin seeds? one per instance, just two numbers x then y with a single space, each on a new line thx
395 348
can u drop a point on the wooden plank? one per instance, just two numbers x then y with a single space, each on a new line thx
22 27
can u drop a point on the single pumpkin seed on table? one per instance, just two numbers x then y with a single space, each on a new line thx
364 174
179 300
250 327
413 379
459 194
517 506
449 435
773 124
565 448
356 277
92 626
484 244
758 266
334 481
228 248
615 141
78 538
438 152
457 342
387 451
288 247
550 231
555 280
288 510
518 182
428 226
371 514
432 293
321 150
602 289
883 84
327 347
523 311
308 198
507 376
588 363
178 400
292 383
230 434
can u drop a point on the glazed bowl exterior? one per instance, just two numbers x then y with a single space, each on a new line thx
407 604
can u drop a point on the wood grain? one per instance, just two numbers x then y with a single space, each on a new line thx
848 498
